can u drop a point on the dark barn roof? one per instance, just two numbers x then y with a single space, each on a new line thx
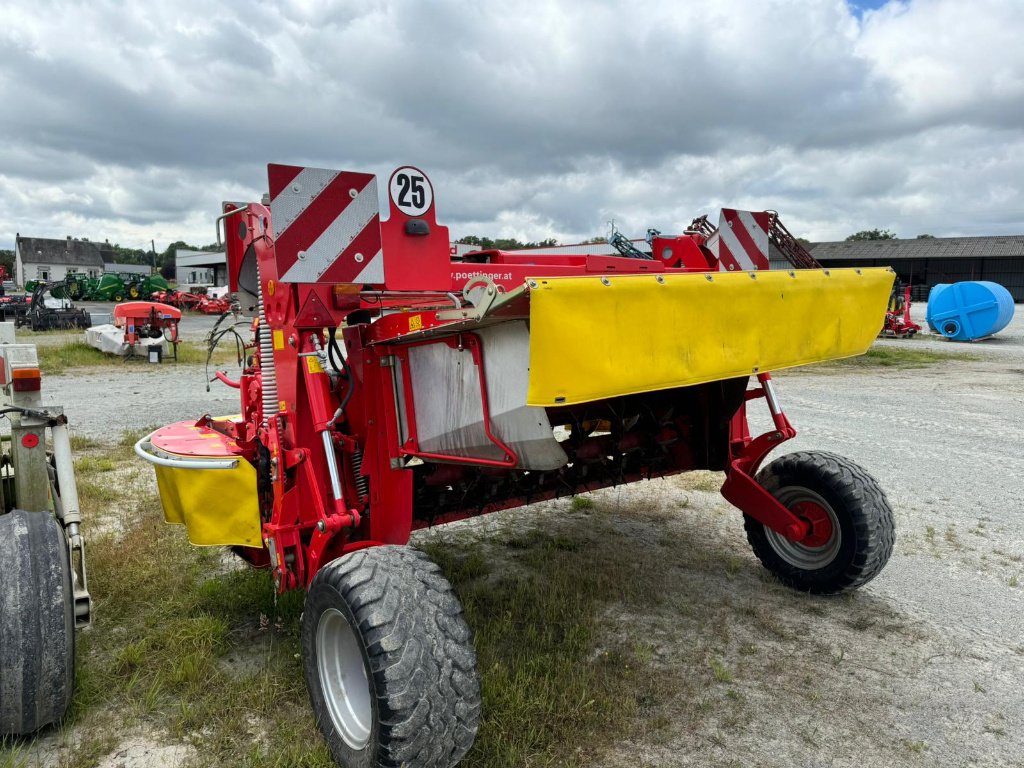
923 248
42 250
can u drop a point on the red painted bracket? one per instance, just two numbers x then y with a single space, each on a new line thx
741 489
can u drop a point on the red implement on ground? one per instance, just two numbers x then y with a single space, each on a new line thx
390 387
179 299
211 306
897 316
148 320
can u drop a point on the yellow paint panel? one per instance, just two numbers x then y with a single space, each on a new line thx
278 337
218 507
313 364
589 340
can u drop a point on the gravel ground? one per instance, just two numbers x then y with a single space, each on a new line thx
946 443
941 673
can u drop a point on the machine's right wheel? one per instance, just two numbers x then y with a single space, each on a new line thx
133 291
118 297
851 528
389 661
37 627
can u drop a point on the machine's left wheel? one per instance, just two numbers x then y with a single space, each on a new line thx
389 661
37 625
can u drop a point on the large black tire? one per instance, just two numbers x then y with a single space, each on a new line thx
389 661
37 628
850 547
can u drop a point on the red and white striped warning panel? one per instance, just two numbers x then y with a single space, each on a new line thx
326 225
741 240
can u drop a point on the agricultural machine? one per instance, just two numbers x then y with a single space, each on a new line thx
141 321
40 317
108 287
142 286
207 305
44 596
390 388
898 322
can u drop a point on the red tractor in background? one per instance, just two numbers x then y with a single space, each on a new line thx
391 388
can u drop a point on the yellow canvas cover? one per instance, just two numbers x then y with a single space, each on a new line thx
598 337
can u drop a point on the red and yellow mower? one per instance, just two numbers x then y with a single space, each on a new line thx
392 387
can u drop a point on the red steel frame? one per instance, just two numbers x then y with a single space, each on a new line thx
306 521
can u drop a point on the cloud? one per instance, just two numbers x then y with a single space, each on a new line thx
534 119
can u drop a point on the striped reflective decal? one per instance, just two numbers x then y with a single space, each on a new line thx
741 241
320 255
326 225
296 196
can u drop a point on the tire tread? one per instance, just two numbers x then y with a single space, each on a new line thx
858 492
420 650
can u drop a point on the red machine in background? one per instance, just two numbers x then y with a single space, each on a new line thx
148 320
391 387
897 315
194 301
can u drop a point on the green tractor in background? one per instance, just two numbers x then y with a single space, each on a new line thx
75 286
143 287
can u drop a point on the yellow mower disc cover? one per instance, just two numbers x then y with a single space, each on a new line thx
218 507
592 338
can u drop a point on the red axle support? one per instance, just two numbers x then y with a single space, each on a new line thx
740 488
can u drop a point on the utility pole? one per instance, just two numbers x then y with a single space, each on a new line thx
153 244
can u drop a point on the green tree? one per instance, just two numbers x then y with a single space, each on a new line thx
7 261
872 234
926 237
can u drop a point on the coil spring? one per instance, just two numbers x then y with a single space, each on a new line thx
268 373
362 482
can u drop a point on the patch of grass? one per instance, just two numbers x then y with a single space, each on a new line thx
58 358
82 443
86 464
580 503
12 754
176 646
917 747
98 494
721 672
556 690
898 357
700 480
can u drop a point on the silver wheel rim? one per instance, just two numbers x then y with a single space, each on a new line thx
800 555
343 678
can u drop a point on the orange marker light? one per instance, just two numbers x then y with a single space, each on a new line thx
26 379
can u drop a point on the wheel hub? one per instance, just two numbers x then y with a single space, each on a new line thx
343 678
819 524
819 547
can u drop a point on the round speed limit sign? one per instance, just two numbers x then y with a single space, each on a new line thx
411 191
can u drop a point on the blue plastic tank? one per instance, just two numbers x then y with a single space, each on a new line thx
969 310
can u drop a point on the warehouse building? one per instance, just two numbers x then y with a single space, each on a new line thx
926 262
199 269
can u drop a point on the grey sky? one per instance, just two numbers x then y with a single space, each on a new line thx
536 119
